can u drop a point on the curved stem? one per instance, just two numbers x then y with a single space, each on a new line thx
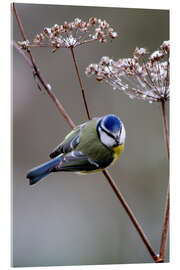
166 213
114 186
39 75
72 125
80 83
131 216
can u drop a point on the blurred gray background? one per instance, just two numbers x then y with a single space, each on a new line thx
69 219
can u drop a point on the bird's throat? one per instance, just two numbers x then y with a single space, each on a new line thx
117 151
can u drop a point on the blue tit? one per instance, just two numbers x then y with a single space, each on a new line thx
88 148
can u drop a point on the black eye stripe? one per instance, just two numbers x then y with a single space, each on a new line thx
108 133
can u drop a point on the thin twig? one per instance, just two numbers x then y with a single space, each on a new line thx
72 125
114 186
80 82
28 61
150 78
165 126
131 216
39 76
165 228
166 213
19 22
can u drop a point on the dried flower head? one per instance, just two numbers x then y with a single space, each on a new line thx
136 76
73 34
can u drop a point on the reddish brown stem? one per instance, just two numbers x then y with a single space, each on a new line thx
39 76
72 125
26 58
114 186
166 214
165 126
80 83
165 228
131 215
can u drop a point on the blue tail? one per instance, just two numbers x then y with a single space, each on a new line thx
37 173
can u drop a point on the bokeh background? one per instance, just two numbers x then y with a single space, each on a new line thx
69 219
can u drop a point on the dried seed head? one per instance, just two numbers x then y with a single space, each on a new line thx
139 51
38 39
73 34
145 80
156 56
92 21
113 34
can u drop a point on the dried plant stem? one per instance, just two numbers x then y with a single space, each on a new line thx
166 214
26 58
165 228
39 76
131 216
72 125
80 83
113 184
165 126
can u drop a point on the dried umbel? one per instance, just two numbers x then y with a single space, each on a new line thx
72 34
139 77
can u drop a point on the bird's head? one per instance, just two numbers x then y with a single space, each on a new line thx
111 130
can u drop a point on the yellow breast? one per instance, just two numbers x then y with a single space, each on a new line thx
117 151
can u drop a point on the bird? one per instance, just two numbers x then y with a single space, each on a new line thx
88 148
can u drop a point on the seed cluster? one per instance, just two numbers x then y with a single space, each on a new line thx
139 77
73 34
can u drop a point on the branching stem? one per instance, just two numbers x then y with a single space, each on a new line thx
113 184
72 125
39 75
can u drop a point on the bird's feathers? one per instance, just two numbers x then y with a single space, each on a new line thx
70 142
43 170
76 161
80 156
88 148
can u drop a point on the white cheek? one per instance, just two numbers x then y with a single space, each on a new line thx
123 135
105 139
